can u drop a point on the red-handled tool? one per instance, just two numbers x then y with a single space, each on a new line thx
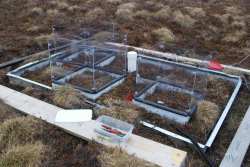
109 129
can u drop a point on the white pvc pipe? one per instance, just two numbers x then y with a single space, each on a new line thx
132 59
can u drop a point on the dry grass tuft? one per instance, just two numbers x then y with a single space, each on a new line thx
232 123
53 3
132 6
232 72
114 2
55 13
34 29
164 34
207 114
196 12
142 14
6 111
224 19
67 96
103 36
18 130
183 20
38 56
118 109
74 9
37 11
234 37
124 15
214 29
97 12
152 6
63 6
119 157
163 13
42 40
124 114
27 155
233 10
238 24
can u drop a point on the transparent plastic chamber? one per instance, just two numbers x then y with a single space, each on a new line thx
92 64
82 23
175 84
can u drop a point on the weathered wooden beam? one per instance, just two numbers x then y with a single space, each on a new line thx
143 148
238 147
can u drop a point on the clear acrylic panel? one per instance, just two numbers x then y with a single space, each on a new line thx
168 82
85 38
83 23
88 65
177 53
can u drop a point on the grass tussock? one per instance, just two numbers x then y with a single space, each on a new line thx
124 114
124 15
132 6
42 40
63 6
55 13
114 2
74 9
103 36
37 11
152 6
234 37
207 114
162 14
164 34
119 157
238 24
214 29
195 12
53 3
183 20
232 123
67 96
97 12
118 109
6 112
232 10
38 56
224 19
18 130
34 29
232 72
28 155
142 14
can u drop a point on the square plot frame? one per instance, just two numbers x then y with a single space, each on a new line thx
106 65
173 88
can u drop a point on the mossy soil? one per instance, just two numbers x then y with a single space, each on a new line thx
40 75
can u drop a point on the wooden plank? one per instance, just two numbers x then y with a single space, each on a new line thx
149 150
238 147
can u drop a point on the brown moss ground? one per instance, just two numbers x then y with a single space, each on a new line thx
18 41
16 18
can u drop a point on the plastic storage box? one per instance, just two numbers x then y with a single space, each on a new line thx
117 125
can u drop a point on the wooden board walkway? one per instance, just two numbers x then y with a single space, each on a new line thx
238 147
143 148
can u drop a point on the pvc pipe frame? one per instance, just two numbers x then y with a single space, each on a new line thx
181 58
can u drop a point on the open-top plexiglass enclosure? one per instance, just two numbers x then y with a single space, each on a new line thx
83 23
93 65
168 84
